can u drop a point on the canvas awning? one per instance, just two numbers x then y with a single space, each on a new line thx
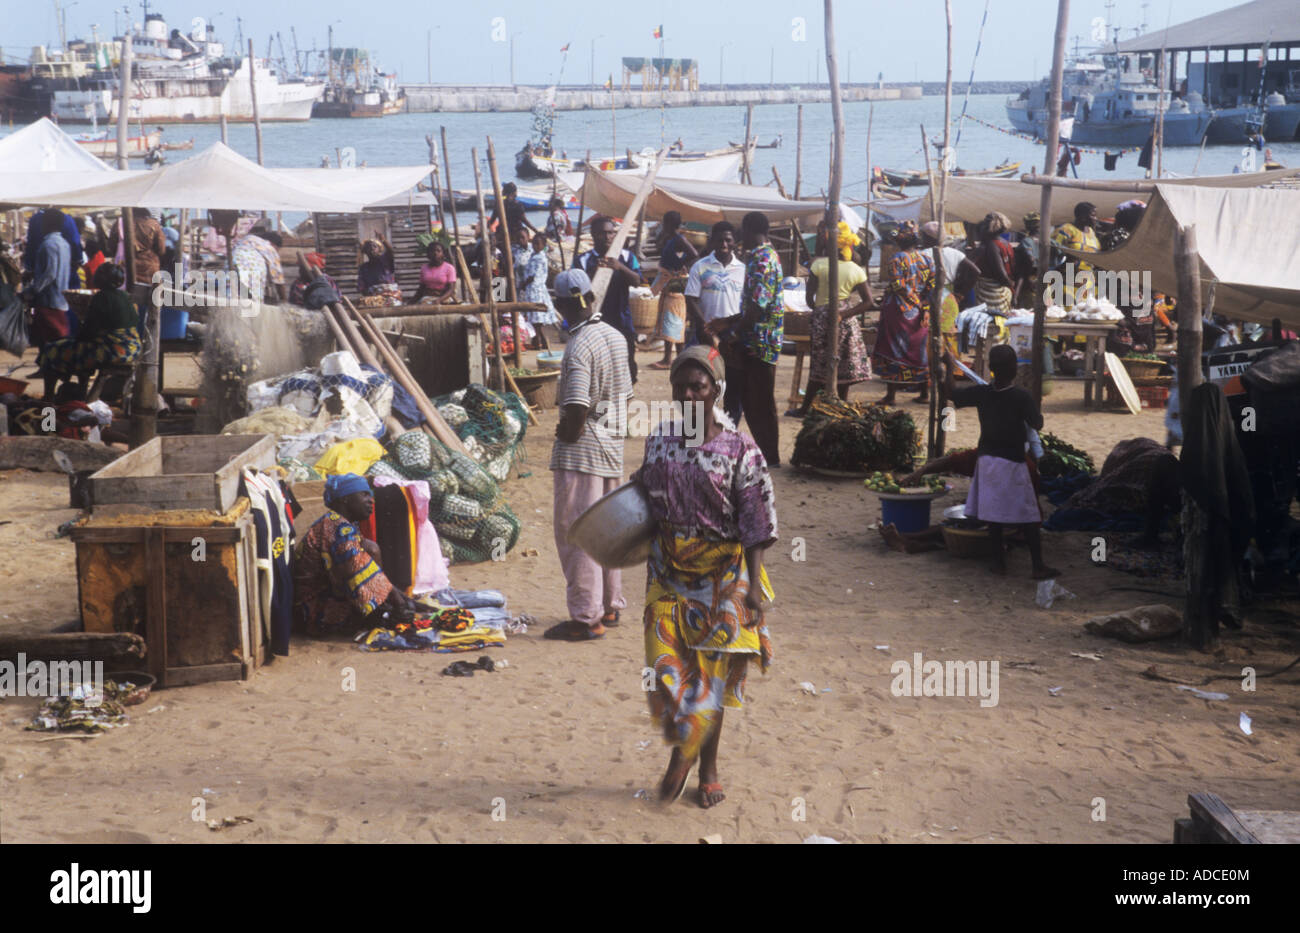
1248 243
43 147
217 178
704 202
377 186
971 199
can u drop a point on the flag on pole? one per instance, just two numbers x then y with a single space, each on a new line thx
566 47
609 83
659 33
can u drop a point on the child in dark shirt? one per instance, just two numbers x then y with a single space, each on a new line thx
1002 491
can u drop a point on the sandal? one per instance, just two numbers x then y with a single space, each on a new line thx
610 618
571 630
704 791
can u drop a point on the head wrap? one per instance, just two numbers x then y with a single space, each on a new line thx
846 239
707 358
343 485
1032 218
931 230
996 222
905 234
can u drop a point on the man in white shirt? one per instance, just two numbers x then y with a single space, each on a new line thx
715 282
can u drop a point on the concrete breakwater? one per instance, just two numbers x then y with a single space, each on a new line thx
424 98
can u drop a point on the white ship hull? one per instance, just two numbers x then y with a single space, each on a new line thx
196 100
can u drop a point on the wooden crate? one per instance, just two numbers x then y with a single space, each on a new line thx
183 472
201 619
338 239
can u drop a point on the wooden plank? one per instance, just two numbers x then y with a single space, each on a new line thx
203 674
172 534
74 646
211 453
144 460
1214 816
1272 827
155 561
260 456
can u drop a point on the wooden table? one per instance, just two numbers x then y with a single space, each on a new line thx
1094 353
801 349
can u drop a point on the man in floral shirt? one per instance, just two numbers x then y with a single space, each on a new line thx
752 339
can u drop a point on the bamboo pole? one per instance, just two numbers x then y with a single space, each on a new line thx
485 276
509 257
798 151
397 369
257 117
422 310
833 209
1045 203
744 155
435 184
871 173
455 223
600 284
582 206
929 175
936 299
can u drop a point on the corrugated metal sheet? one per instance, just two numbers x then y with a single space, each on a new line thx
1251 24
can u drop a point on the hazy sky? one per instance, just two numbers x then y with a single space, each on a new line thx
904 40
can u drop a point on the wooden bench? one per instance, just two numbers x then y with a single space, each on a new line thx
1214 822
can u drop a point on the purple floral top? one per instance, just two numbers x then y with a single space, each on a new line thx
719 490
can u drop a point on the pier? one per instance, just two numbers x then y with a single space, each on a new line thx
445 98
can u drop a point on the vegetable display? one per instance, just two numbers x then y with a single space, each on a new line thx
1062 459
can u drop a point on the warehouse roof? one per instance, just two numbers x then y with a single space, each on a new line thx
1250 24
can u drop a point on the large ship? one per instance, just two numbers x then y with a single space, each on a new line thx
355 87
1112 103
176 78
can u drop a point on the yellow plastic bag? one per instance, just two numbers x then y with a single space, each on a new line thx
354 456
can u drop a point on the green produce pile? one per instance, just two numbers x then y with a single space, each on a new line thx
1062 459
886 482
854 438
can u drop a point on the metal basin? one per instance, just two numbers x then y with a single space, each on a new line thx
618 529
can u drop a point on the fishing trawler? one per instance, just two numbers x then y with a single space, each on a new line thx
355 87
177 78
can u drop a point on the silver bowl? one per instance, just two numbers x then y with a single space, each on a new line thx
617 530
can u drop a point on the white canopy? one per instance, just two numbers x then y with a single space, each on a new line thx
1248 241
216 178
971 199
378 186
704 202
43 147
724 167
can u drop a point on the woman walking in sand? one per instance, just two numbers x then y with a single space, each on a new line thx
711 493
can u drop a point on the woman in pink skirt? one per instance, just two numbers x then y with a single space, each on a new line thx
1002 491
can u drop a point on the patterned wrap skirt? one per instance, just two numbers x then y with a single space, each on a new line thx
68 357
854 364
993 293
700 637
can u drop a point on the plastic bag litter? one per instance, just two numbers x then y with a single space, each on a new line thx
1201 694
15 336
1244 723
1049 591
816 840
808 688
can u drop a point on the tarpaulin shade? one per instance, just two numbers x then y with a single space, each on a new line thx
1248 242
43 147
704 202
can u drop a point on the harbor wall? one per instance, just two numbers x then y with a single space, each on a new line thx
424 98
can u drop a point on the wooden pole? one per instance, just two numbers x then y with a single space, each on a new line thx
1160 115
434 184
798 151
1200 628
559 234
929 174
424 310
485 276
796 236
744 155
600 284
509 253
1088 184
582 206
252 87
124 104
455 223
832 209
936 298
1045 202
871 174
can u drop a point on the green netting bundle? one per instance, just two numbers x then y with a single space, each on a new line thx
491 425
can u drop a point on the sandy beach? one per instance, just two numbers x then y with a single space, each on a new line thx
558 746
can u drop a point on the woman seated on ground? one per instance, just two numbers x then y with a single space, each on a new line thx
712 497
110 335
854 297
338 585
375 275
532 288
437 277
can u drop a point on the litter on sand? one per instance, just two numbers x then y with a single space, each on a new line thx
1049 591
1244 722
1088 655
807 687
816 840
1202 694
1055 691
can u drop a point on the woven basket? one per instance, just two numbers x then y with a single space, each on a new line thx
645 313
1142 369
539 390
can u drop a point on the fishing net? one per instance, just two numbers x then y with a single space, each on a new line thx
856 438
490 424
474 521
